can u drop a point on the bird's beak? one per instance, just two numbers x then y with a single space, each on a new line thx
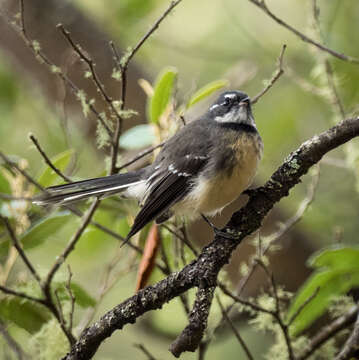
244 102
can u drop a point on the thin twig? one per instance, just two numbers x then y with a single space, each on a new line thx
183 297
34 46
116 55
72 298
351 346
153 28
241 301
20 250
8 161
285 228
47 159
60 310
21 294
70 246
262 5
234 330
334 95
335 98
145 351
274 78
277 314
140 155
123 65
328 331
94 76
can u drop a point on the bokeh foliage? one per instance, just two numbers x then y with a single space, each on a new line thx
229 40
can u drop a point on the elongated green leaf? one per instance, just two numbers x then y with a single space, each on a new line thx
337 257
38 233
82 297
163 90
205 91
138 137
48 177
25 314
337 272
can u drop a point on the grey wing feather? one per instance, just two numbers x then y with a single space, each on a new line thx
168 187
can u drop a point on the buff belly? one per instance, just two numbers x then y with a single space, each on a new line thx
210 195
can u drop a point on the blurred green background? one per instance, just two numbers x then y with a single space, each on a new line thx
205 40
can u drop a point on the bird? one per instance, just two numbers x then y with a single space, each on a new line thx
202 168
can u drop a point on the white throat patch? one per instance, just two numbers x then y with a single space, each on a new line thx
237 115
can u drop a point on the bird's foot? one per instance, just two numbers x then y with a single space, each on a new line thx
218 231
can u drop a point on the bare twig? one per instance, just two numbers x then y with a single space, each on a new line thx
47 159
273 238
140 156
334 95
351 347
13 164
145 351
263 6
277 314
165 260
19 249
275 77
70 246
72 298
234 330
34 46
123 65
20 294
329 331
244 302
60 310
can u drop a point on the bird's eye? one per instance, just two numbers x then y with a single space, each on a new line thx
227 101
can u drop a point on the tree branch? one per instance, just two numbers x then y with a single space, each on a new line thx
263 6
192 335
274 78
203 271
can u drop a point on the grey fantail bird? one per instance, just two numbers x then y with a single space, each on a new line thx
205 166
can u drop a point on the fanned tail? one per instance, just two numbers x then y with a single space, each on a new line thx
99 187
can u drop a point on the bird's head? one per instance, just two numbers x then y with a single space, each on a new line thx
232 107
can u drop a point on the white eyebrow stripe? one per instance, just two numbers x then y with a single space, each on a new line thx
230 96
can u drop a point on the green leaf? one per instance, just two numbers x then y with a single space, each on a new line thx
48 177
4 184
205 91
82 297
337 257
42 230
337 272
137 137
24 313
163 90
